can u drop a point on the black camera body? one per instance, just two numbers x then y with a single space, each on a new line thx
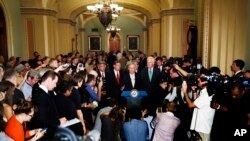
246 84
218 84
219 87
98 80
192 80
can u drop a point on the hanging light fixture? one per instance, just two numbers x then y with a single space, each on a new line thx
112 29
106 10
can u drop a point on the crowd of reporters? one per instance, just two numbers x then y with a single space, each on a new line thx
182 96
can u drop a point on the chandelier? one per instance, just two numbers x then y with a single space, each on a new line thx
113 30
106 11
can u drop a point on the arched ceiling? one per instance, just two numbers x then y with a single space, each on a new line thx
72 8
87 15
131 25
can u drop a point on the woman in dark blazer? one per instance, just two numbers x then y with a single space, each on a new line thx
131 79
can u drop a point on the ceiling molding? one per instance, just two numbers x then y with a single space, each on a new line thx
179 11
138 8
38 11
141 10
67 21
155 21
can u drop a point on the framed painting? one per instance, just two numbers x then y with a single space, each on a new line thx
94 43
133 42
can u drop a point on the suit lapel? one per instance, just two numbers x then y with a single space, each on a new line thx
130 81
153 75
113 75
136 79
147 76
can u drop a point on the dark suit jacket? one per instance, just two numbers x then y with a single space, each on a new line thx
142 64
164 76
99 73
152 87
113 88
110 60
128 82
47 115
66 108
18 95
237 78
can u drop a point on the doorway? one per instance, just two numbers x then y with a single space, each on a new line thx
3 36
114 43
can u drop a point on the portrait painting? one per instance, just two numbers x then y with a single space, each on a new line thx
133 42
94 43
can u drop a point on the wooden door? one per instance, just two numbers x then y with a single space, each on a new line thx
3 36
114 44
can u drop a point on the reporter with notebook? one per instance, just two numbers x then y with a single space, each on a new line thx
43 98
66 108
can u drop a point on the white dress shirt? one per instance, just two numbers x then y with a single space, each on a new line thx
132 77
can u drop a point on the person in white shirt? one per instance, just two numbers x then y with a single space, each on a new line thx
203 114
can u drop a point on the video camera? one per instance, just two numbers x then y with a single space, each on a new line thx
246 84
218 84
192 80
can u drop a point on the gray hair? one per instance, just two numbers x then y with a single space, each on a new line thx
150 58
33 73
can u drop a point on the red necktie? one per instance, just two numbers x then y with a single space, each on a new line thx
118 77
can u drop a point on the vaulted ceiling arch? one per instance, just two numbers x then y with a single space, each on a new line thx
73 8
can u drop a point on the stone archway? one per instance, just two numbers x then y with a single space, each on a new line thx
3 36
